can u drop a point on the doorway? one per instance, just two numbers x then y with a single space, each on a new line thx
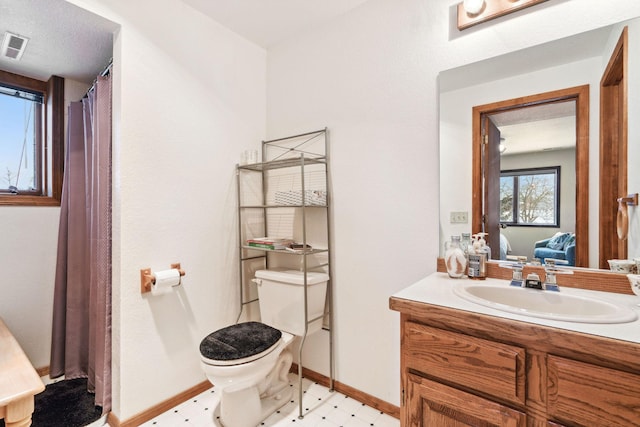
484 175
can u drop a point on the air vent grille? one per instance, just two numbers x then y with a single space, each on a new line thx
13 46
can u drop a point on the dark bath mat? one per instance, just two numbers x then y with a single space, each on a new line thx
65 404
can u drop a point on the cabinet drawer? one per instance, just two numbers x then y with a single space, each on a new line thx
589 395
493 368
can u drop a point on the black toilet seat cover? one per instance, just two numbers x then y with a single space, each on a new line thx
239 341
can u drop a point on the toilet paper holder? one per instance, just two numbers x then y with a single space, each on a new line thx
147 278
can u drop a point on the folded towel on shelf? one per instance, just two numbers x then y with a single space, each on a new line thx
311 197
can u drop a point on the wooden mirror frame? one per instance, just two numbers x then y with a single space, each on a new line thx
613 150
580 94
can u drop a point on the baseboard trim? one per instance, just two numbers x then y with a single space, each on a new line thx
164 406
43 372
347 390
158 409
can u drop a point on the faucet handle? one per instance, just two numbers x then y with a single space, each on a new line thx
556 266
551 269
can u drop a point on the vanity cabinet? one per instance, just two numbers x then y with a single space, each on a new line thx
461 368
456 363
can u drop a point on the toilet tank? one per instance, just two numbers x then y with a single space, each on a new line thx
281 294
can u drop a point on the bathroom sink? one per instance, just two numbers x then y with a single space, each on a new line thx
546 304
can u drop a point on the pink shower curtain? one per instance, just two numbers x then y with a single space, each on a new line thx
81 336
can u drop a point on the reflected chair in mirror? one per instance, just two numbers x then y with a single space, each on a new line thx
560 246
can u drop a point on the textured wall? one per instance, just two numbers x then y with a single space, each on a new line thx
371 76
189 96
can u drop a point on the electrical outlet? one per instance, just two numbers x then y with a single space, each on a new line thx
459 217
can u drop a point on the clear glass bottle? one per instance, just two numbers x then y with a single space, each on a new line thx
454 258
466 242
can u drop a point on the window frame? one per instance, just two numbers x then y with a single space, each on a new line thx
40 182
544 170
52 141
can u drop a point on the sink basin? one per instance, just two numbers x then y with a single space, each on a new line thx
546 304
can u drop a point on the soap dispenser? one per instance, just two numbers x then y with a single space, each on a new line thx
482 243
478 258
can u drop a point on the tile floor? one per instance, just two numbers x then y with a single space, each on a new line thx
321 408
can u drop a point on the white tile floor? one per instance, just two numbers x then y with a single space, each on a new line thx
321 408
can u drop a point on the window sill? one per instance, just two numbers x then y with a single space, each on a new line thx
13 200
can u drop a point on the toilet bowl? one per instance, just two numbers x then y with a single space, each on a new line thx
248 363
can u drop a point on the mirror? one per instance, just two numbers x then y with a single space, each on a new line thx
567 63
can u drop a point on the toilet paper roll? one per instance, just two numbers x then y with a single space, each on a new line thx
165 281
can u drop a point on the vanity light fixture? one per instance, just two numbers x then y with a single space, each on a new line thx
473 12
473 7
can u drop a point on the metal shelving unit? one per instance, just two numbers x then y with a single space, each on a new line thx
288 193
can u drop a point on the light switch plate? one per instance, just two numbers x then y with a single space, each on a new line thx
459 217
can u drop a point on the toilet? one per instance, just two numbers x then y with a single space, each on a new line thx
249 362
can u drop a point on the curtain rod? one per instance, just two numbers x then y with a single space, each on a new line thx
105 72
107 69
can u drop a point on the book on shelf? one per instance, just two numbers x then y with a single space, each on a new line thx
269 243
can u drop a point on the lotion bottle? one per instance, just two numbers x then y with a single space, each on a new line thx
477 258
454 258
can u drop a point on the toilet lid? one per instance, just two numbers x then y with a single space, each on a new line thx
239 343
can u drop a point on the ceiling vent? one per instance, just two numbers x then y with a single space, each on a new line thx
13 46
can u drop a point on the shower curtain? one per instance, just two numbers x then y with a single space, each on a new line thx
81 335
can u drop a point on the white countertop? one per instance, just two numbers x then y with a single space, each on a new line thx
437 289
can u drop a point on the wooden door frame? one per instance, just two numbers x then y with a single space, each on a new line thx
613 150
580 94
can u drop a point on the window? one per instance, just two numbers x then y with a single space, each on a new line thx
31 135
20 141
530 197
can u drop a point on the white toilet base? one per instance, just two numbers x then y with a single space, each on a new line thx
249 406
251 410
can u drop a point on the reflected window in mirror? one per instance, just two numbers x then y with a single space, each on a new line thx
530 197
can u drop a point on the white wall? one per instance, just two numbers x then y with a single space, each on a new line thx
189 97
362 76
371 77
28 262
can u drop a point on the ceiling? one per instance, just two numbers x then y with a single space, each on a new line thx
266 22
71 42
550 126
64 40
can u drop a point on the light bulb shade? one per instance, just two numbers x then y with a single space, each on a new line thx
473 7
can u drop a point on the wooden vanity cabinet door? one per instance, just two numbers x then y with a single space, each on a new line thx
432 404
581 394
